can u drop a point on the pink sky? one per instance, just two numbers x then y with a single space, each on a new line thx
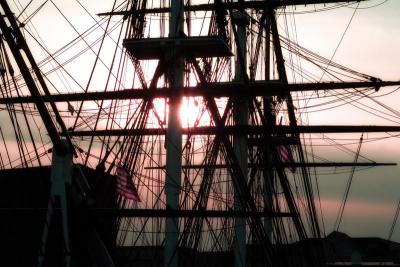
371 45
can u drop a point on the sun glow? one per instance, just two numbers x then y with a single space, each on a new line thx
190 111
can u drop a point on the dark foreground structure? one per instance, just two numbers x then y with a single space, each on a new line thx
23 200
24 195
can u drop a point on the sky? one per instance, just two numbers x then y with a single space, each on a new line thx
371 45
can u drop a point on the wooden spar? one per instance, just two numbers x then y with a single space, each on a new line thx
294 164
230 5
268 88
251 130
151 213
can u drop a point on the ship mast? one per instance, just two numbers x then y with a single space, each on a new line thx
240 110
240 117
243 143
174 136
61 168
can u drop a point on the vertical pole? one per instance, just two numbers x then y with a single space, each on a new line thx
174 138
61 171
270 117
240 115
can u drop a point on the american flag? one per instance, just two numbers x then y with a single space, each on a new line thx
125 186
287 157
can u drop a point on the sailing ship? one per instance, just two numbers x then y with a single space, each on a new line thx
191 152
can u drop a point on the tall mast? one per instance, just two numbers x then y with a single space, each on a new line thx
241 149
240 117
270 118
174 138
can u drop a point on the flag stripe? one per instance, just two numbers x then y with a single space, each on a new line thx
125 186
286 156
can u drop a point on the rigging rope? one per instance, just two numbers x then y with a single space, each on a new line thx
340 42
347 190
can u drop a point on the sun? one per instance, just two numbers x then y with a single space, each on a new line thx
190 111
